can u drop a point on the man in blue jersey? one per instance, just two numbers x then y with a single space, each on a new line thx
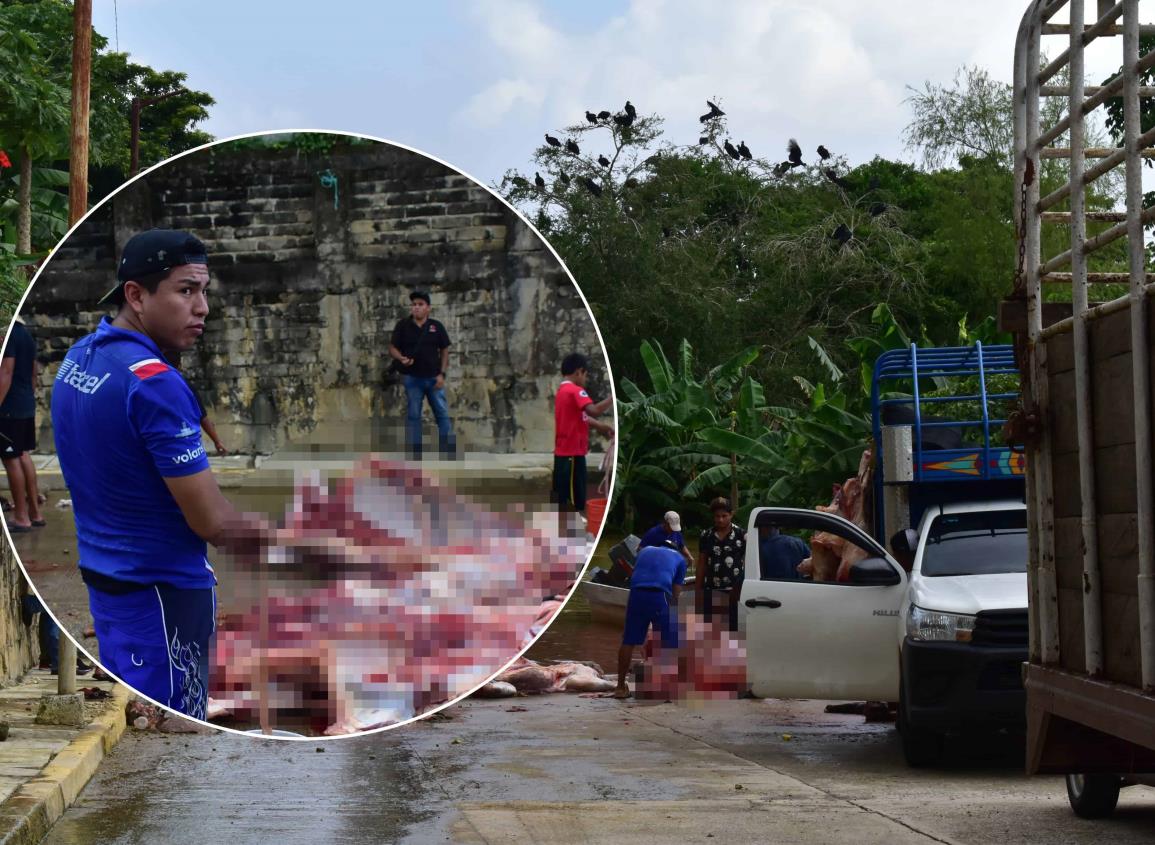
144 499
655 586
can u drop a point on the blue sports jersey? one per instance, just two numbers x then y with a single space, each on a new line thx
659 567
124 420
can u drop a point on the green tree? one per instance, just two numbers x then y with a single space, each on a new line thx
34 95
681 242
167 126
659 443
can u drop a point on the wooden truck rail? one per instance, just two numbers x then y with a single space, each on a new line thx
1086 378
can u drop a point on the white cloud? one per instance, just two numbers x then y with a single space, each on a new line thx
489 107
828 71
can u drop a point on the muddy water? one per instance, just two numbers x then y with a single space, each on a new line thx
574 635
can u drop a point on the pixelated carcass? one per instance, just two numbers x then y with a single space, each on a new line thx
408 596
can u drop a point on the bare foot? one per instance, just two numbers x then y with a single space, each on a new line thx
622 692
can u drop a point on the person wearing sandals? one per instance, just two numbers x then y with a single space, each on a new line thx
18 428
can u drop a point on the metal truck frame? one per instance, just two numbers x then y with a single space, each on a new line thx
1086 420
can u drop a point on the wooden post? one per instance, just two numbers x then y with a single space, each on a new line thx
24 203
733 481
81 77
138 104
134 138
65 665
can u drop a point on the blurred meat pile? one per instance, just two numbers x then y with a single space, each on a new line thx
391 594
710 663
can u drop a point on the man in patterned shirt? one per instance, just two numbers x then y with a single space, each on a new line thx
721 561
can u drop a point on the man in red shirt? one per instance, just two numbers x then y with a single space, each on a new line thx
574 413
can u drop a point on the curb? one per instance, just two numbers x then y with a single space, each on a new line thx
28 814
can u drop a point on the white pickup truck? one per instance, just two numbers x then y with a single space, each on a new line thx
945 637
946 641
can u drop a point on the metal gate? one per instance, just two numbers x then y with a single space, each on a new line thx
1039 273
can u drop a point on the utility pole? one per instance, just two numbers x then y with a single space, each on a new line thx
81 84
77 206
138 104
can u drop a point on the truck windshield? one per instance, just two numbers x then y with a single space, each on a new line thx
980 543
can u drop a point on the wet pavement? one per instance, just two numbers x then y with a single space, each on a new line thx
221 788
566 768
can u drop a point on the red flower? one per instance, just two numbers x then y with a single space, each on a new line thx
4 160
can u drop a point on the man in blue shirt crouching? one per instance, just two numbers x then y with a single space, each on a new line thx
655 587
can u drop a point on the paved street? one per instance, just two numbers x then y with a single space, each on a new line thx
572 769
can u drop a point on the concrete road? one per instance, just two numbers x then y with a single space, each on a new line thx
569 769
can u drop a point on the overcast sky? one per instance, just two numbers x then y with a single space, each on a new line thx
478 82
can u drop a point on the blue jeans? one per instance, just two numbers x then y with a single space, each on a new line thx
417 390
47 634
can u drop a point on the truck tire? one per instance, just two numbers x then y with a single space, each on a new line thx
920 746
1093 796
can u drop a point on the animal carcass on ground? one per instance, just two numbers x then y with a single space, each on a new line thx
394 594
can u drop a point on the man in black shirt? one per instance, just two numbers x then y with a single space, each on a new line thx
420 345
18 427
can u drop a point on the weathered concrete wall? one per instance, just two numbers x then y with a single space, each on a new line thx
309 281
17 640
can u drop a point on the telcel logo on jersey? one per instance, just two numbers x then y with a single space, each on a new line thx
189 455
71 374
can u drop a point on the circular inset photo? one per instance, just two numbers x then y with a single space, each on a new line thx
298 434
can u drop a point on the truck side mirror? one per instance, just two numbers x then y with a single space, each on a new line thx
874 572
904 543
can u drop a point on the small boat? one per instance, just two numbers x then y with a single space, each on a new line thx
608 602
606 591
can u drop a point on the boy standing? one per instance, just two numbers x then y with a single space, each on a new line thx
574 413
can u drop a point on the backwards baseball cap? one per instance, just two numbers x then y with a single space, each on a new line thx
673 520
154 251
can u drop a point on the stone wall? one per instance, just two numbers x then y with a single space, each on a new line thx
312 257
17 640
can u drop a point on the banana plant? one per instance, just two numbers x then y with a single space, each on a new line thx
658 444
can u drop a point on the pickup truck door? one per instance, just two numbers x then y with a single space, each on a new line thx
823 640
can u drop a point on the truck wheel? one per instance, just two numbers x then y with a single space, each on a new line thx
1093 796
921 747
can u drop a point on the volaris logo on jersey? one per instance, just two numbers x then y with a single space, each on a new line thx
189 455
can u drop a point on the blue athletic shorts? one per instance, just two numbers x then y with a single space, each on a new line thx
647 607
159 642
